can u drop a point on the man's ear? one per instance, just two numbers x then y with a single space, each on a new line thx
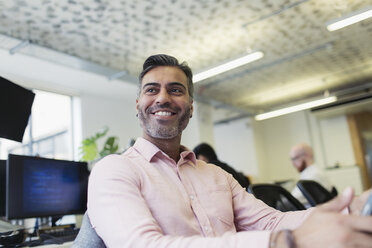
192 108
137 105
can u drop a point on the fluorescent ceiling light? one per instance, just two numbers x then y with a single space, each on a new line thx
295 108
227 66
350 19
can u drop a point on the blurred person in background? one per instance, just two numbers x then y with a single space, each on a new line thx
206 153
302 158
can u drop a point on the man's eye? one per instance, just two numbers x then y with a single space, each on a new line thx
176 90
150 90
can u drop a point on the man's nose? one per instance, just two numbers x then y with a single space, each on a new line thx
163 97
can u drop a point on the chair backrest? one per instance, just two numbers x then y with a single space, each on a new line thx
87 236
275 196
314 192
334 192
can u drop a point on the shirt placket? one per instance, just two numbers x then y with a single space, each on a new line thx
196 207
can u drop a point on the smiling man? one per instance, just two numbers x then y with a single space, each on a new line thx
164 105
157 194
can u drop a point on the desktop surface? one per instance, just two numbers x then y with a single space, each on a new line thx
16 236
64 245
68 244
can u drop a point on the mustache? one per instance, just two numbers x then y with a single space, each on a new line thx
162 106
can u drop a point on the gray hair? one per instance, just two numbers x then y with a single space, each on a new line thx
166 60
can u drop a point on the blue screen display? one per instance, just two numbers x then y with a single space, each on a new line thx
48 187
38 187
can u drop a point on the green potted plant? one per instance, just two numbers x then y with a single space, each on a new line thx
89 151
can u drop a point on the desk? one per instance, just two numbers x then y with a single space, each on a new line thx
64 245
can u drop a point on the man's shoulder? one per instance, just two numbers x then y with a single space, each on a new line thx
224 166
313 170
122 160
315 173
211 167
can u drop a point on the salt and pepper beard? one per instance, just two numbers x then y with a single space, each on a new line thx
302 166
163 131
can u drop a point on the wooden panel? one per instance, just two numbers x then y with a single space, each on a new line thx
359 123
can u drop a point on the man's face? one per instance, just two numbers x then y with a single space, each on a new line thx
298 161
164 106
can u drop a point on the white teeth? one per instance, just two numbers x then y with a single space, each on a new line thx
163 113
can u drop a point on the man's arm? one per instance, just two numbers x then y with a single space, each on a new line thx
253 214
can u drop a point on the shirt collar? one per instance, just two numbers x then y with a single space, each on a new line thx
187 155
148 150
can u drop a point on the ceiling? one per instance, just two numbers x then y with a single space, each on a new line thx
302 59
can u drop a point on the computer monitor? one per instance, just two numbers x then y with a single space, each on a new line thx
15 109
2 187
39 187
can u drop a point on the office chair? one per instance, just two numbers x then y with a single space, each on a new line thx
314 192
87 236
275 196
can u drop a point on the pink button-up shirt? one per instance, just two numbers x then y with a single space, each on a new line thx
145 199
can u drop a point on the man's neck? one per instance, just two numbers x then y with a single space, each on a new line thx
171 147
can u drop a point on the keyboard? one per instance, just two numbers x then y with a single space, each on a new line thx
58 235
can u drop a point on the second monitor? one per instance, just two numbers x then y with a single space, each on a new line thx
38 187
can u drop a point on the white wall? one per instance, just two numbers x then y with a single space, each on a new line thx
274 138
266 144
200 128
234 145
116 113
329 137
346 176
337 141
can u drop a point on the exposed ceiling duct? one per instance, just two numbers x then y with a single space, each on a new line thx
356 99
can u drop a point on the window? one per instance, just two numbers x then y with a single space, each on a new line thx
49 132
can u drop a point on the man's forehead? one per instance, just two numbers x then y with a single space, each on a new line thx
165 74
295 151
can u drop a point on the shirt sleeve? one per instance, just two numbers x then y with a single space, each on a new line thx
253 214
121 217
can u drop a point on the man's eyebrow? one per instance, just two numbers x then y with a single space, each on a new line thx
169 84
177 84
150 84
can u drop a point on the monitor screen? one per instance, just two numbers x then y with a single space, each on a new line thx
15 109
2 187
38 187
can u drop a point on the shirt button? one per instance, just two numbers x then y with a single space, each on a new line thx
206 228
192 197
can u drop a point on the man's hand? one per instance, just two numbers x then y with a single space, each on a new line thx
358 202
327 227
